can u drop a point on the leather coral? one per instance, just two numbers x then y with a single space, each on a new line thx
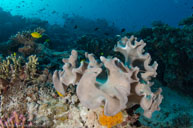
122 86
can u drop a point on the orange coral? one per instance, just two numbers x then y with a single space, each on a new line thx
111 121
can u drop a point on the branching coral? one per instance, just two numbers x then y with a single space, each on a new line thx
125 85
12 69
31 67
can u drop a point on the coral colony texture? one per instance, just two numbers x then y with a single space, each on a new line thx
89 74
122 87
174 53
93 93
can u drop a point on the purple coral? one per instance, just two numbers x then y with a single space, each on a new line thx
18 121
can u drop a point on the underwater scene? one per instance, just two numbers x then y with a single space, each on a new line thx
96 63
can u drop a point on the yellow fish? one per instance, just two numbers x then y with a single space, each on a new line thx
36 35
83 60
59 94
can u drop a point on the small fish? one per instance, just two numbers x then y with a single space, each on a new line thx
36 35
59 94
75 27
14 54
102 53
96 29
123 30
43 9
83 60
47 40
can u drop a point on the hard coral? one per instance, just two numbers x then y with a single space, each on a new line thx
175 58
12 69
125 85
28 42
31 67
3 85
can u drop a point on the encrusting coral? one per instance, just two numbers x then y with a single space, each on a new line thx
110 121
124 86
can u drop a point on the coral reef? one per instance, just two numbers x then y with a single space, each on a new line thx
25 45
96 45
10 67
187 21
65 36
92 86
28 42
121 89
21 93
31 67
173 49
66 111
183 120
9 24
19 79
15 120
13 68
77 26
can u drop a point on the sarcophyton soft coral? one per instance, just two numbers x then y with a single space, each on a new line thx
126 84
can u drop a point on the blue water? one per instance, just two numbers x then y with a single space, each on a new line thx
129 14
